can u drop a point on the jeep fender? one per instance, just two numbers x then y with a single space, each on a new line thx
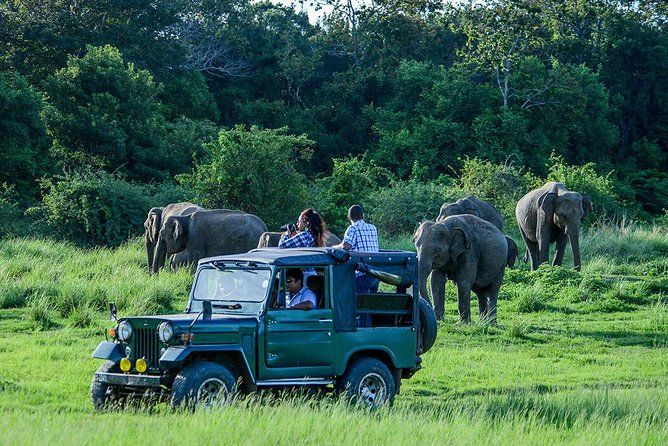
108 350
175 357
379 351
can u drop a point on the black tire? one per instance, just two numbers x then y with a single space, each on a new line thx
367 381
102 394
204 384
428 326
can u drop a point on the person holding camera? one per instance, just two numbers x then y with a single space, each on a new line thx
309 231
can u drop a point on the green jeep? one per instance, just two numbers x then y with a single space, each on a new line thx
237 335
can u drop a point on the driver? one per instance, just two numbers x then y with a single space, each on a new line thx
298 296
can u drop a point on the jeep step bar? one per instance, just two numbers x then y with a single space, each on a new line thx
295 382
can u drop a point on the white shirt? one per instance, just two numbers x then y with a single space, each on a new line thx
304 295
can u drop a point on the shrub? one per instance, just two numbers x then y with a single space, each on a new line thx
585 180
40 317
98 208
254 170
530 299
351 182
81 317
401 206
499 184
12 296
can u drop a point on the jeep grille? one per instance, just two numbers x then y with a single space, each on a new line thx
147 346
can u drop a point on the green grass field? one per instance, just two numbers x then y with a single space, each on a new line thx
578 358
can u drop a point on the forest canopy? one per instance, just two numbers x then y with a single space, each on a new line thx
392 103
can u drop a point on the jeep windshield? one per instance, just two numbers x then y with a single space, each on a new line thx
237 290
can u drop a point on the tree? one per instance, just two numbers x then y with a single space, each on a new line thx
105 113
254 170
23 141
500 33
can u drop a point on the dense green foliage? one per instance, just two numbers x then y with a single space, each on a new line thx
253 170
404 103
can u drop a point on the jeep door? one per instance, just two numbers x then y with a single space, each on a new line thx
298 343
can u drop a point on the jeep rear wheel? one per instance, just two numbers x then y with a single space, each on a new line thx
203 384
369 382
102 394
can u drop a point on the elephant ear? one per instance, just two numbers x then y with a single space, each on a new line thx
586 206
177 230
546 205
459 243
152 224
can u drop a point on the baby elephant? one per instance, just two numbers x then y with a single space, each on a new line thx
469 251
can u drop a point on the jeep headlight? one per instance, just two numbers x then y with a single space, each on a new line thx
124 331
165 332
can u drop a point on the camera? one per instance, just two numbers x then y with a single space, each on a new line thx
290 227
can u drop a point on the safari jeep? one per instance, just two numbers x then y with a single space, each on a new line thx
237 335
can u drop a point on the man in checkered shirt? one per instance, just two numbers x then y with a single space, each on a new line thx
362 237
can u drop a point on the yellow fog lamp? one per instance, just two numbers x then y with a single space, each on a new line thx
125 364
141 365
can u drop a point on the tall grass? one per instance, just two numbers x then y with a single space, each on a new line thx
73 281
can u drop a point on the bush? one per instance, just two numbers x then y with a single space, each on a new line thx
98 208
585 180
499 184
39 316
400 207
530 299
351 182
254 170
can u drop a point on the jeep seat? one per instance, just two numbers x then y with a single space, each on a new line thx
317 285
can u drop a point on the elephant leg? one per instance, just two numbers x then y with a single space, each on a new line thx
532 251
492 295
464 302
562 241
438 280
482 304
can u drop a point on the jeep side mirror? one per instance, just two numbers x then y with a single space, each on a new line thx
112 311
206 309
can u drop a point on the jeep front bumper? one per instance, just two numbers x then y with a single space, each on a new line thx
124 379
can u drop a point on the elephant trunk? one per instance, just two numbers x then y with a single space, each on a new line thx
425 263
150 251
160 255
574 236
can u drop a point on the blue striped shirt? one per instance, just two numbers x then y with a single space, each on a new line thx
303 239
362 236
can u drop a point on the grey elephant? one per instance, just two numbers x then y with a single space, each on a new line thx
469 251
153 224
208 233
550 214
271 239
513 252
473 206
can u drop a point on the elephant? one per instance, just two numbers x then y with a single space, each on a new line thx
467 250
208 233
513 252
473 206
271 239
153 224
549 214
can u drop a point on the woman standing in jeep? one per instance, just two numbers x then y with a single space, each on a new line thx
308 232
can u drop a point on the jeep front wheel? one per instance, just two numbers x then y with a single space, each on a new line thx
368 381
102 394
205 384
